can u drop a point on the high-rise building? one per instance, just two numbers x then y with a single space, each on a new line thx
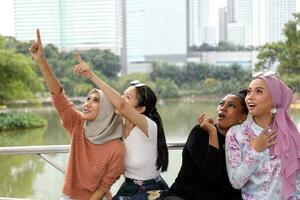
231 11
33 14
201 29
71 24
277 13
257 21
165 27
236 33
239 17
223 24
135 30
155 29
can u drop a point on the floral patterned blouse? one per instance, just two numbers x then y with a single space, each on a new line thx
257 174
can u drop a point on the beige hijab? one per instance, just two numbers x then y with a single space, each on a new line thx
107 126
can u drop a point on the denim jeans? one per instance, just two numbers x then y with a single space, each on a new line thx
141 190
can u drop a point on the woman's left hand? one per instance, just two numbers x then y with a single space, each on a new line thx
264 140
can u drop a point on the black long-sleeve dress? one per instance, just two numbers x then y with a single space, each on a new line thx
203 174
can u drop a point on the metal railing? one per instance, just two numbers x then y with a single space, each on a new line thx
43 150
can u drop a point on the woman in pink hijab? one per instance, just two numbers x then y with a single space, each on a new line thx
263 153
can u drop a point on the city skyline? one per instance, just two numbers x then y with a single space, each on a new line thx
141 32
7 20
70 24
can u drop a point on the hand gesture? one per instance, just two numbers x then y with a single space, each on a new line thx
264 140
207 124
82 68
36 49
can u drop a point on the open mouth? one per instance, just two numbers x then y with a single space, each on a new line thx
85 111
251 105
221 116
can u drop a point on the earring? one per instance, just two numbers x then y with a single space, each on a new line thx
273 111
240 121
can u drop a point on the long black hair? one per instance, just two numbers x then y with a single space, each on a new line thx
146 97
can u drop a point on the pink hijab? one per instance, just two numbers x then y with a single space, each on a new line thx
288 138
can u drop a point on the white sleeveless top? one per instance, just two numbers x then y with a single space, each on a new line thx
141 153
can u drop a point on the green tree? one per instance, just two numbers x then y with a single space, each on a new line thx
104 61
287 53
225 46
18 80
268 55
17 46
222 46
290 59
210 86
166 88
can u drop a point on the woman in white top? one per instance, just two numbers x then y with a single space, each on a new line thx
144 138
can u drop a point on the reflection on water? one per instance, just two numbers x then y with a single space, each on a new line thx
17 174
179 117
31 177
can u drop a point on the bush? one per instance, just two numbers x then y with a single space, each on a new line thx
166 88
16 120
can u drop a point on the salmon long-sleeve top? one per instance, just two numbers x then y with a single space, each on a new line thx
90 166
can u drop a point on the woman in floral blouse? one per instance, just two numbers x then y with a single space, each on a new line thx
263 153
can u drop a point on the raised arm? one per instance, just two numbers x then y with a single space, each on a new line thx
208 125
114 97
206 157
37 53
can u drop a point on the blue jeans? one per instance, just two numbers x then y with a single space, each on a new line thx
133 189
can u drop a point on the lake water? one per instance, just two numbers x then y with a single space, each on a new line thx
30 177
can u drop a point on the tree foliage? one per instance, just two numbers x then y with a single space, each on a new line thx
103 62
19 120
222 46
167 80
201 78
286 52
18 79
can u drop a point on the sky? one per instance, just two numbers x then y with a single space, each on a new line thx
7 15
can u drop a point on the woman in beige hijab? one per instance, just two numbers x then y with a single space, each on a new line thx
96 158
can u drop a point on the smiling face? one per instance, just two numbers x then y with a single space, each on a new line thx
91 107
230 112
131 97
259 99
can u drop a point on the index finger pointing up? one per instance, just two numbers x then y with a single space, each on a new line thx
38 36
79 59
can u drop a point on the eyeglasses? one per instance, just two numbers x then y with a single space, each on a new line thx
138 84
264 73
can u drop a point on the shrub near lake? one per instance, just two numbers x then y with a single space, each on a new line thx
17 120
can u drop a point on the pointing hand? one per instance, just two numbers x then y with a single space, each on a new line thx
36 49
82 68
